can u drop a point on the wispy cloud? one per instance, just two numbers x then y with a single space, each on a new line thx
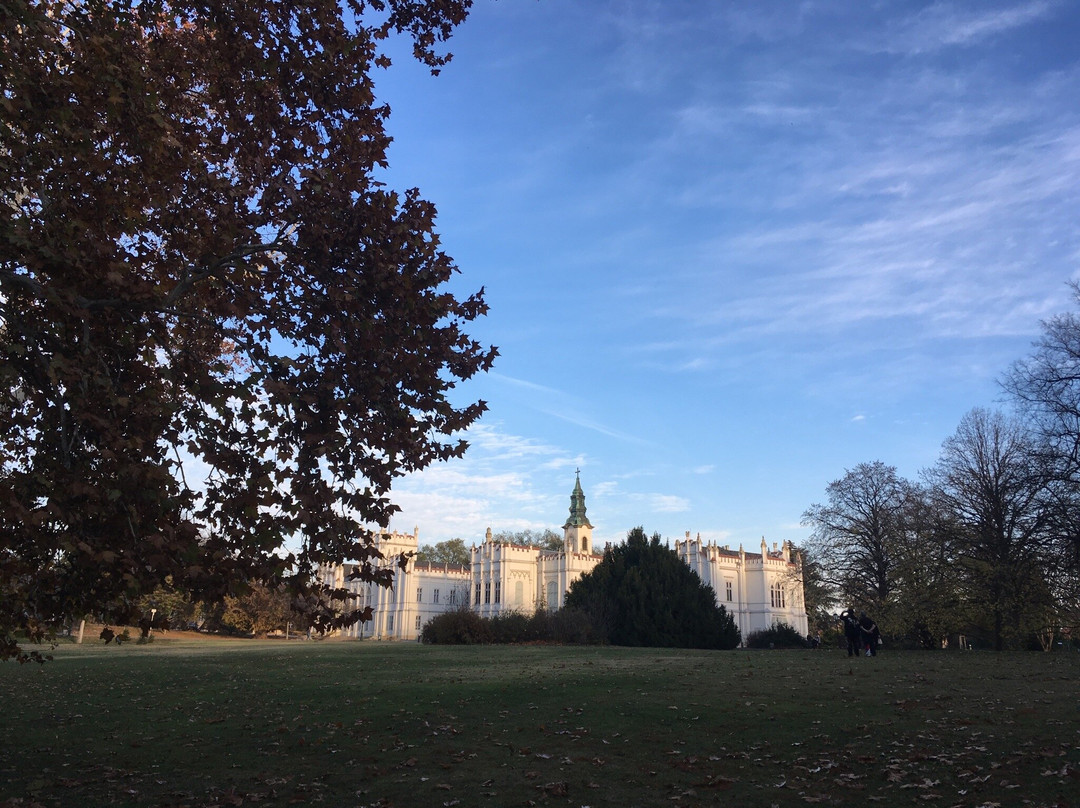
948 24
660 503
912 203
504 481
565 407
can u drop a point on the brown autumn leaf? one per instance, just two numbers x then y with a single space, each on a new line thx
558 789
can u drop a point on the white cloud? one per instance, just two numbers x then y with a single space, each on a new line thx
660 503
944 24
504 481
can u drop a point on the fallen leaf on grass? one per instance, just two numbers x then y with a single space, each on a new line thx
717 781
559 789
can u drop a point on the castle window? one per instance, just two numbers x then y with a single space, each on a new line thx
435 596
776 596
498 591
487 591
419 595
519 593
417 622
453 596
390 624
728 588
478 593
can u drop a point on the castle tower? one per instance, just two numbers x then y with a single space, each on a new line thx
577 532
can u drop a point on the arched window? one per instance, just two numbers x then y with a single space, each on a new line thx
776 596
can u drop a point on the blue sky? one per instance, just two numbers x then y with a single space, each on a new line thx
733 249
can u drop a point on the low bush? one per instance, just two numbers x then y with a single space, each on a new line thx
509 628
465 627
575 627
779 635
459 627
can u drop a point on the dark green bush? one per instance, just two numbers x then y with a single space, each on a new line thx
509 628
643 594
571 626
460 627
465 627
779 635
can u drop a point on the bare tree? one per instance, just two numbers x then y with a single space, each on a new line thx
990 483
926 597
856 532
1046 385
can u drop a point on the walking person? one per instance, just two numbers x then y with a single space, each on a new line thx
852 633
871 636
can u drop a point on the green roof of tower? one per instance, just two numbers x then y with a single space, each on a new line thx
577 506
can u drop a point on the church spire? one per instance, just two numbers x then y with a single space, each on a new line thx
577 505
577 532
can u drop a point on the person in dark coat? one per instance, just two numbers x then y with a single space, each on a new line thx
852 633
870 634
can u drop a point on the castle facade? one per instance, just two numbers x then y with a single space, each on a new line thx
757 589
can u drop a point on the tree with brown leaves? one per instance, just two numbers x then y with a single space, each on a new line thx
220 335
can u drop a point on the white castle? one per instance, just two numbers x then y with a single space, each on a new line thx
757 589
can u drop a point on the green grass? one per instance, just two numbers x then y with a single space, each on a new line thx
364 724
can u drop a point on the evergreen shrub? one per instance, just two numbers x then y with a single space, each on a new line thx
779 635
643 594
509 628
459 627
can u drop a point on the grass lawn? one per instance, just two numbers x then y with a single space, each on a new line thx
203 723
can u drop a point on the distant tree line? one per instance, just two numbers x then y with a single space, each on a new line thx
256 610
986 543
455 553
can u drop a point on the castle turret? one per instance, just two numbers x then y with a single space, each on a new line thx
577 532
